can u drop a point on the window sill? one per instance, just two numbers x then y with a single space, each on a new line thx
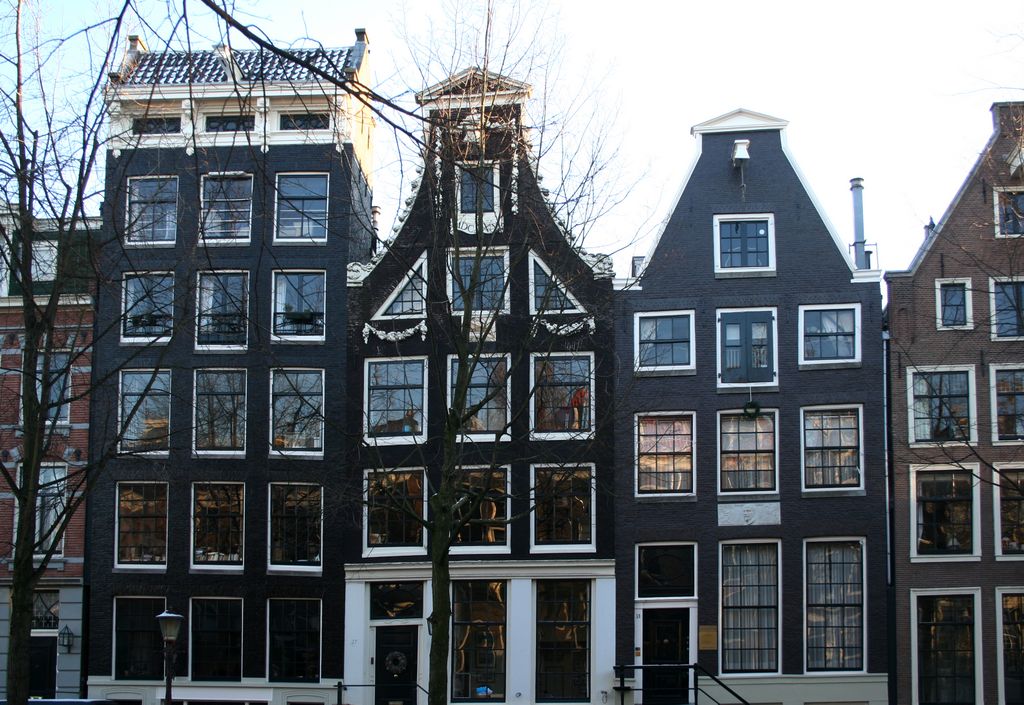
828 365
148 245
297 454
198 568
564 548
667 372
746 387
942 444
1018 442
159 340
300 241
297 570
218 453
221 348
965 327
743 273
725 497
504 549
561 435
225 242
144 453
1007 338
140 567
486 437
952 558
394 440
664 497
833 492
1010 558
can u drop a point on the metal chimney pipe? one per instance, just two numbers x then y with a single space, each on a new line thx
857 186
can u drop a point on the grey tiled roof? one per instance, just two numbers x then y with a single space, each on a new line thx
174 67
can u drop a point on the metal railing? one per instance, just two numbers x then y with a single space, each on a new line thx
674 693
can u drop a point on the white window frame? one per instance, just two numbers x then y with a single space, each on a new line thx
199 347
243 111
636 454
485 436
309 339
992 281
415 439
454 254
195 412
979 679
776 378
153 372
506 547
576 306
206 567
147 567
863 604
59 551
660 601
298 453
369 551
563 547
302 109
994 401
975 554
142 339
289 567
743 271
997 514
44 260
561 435
664 369
718 457
63 418
327 214
1001 592
778 607
997 216
972 402
113 631
968 302
859 408
266 639
191 622
418 269
854 361
129 240
492 218
218 242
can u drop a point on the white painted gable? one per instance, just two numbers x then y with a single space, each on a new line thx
739 120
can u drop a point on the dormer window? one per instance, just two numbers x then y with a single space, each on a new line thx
230 123
478 193
744 244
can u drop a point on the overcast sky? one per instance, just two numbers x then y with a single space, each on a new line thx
896 92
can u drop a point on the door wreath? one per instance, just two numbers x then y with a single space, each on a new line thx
395 662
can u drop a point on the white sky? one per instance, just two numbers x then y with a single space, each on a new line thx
896 92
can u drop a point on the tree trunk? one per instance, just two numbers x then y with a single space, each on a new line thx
23 583
441 617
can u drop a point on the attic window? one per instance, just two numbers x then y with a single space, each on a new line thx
230 123
476 186
156 126
305 121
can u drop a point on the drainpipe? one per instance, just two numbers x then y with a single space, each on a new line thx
889 565
859 259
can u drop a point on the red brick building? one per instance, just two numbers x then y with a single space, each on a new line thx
956 363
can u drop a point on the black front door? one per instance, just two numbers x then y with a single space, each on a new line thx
42 673
666 643
395 665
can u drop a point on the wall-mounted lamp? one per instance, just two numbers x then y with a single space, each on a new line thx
66 638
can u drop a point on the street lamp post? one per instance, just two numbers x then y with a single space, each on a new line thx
170 624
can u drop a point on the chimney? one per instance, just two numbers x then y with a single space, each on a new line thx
637 266
136 47
227 60
859 257
375 217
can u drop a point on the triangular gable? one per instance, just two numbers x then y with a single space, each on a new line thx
409 298
463 90
552 294
739 120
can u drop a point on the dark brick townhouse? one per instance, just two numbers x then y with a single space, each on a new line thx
750 487
59 259
481 272
956 363
237 188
